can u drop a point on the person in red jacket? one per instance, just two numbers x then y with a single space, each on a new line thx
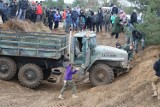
39 12
64 18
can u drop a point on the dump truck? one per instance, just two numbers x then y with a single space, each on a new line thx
34 55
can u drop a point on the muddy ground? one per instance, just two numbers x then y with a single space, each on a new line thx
132 89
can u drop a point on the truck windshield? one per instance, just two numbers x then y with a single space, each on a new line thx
93 42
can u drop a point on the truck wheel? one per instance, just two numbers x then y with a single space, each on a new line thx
101 74
30 75
8 68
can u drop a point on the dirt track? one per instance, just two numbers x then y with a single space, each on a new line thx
129 90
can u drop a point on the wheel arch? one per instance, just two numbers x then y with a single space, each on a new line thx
110 63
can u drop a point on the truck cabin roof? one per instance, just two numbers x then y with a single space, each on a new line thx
85 33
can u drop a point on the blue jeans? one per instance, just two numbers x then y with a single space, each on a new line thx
22 14
136 41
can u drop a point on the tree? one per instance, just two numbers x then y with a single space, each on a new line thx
151 24
81 3
60 4
49 3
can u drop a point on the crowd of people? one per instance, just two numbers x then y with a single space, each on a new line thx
34 11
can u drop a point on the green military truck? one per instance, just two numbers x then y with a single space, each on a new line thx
33 56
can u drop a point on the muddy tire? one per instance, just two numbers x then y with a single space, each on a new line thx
101 74
30 75
8 68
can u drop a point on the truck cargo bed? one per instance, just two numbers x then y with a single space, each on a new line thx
33 44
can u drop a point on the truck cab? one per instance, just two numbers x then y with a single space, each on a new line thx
102 62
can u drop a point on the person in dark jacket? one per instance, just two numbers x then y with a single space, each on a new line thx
5 12
33 10
99 20
133 18
23 5
13 8
93 21
74 16
81 21
88 19
156 80
114 10
50 18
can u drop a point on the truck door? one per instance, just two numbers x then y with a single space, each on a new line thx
85 52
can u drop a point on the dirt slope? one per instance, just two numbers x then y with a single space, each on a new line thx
128 90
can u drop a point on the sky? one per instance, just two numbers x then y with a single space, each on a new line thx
68 1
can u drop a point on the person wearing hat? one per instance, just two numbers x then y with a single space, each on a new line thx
68 81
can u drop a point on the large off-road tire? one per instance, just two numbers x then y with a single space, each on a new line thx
101 74
30 75
8 68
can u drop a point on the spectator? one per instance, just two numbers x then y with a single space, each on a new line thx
107 16
81 21
44 14
64 18
133 17
50 19
5 12
93 21
88 19
56 20
78 9
33 10
114 10
74 16
23 5
39 12
68 21
13 8
99 22
116 29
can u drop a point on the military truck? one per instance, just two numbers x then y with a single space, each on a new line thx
33 55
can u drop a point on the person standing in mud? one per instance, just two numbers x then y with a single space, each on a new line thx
69 82
156 79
